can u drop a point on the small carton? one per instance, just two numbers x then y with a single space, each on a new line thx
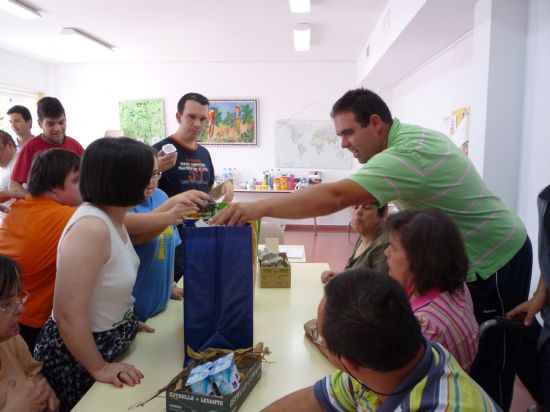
179 398
275 277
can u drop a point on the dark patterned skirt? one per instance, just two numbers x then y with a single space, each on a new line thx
66 376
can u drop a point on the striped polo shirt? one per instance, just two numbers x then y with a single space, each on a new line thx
449 319
423 168
437 383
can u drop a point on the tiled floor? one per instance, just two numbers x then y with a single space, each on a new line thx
334 247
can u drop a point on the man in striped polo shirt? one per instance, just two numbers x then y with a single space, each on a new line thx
384 363
416 167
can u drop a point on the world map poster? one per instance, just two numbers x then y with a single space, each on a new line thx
309 144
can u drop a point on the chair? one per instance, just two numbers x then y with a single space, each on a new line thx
501 322
271 229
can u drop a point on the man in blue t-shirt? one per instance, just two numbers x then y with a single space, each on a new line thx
194 168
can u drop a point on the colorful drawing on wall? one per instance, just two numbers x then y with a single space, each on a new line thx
231 122
459 128
142 120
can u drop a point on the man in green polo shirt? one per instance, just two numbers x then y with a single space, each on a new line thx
415 167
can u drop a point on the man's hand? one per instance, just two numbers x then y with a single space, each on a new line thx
166 161
33 395
527 310
235 214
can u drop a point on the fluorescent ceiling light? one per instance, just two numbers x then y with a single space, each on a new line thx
88 37
301 37
299 6
19 9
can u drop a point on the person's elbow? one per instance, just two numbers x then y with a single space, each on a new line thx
66 318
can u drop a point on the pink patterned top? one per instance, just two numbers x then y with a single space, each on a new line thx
449 320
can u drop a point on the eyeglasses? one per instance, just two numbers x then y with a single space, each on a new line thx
10 308
317 338
157 174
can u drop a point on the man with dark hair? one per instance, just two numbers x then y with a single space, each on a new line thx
384 363
21 123
415 167
8 156
194 168
53 195
51 119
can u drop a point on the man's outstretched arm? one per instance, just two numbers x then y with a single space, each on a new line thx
317 200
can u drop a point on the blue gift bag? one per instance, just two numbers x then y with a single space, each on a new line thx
218 288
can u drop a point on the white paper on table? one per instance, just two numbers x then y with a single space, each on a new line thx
293 252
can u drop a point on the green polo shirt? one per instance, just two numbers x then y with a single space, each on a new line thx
422 168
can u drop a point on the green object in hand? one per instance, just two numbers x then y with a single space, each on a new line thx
210 208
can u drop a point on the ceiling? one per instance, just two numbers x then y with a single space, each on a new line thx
186 30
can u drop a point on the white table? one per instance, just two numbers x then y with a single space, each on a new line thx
279 315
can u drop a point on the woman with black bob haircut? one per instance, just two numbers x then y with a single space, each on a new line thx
115 172
426 254
93 321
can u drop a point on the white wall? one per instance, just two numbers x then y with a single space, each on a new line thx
499 57
431 93
535 154
91 92
22 73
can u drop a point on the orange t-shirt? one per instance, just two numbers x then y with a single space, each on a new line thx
29 235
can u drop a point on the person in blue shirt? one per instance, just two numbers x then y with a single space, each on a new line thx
154 283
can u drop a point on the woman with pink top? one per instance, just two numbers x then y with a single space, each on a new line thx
426 255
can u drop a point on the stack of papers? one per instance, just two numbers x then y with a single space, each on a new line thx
293 252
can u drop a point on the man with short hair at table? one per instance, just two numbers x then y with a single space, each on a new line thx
415 167
194 168
52 121
384 363
21 123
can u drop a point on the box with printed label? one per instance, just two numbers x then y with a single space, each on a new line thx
179 398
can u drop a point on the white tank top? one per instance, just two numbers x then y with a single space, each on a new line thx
111 302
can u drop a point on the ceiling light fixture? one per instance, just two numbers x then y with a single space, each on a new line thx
299 6
302 36
19 9
88 37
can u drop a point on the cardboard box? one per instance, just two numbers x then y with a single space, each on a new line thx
184 400
274 277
